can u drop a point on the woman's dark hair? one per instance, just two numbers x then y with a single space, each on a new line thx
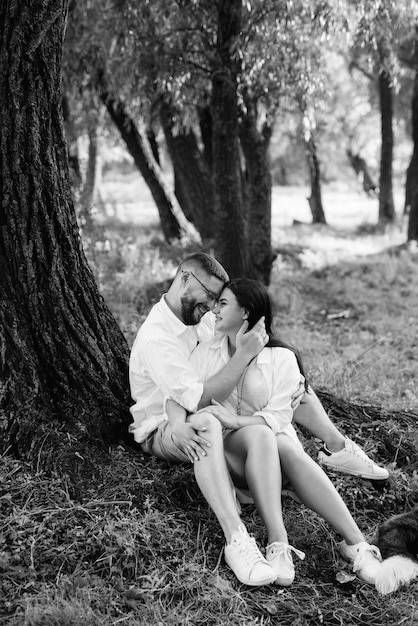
255 299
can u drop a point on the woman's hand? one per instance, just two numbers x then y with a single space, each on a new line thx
299 393
187 438
227 419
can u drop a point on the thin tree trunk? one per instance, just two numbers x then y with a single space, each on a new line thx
173 222
206 132
386 203
231 227
90 191
193 182
308 128
258 182
63 358
315 199
72 144
412 178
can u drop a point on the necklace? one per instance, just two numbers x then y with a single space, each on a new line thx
240 388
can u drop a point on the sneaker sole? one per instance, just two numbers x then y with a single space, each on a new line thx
284 582
337 468
252 583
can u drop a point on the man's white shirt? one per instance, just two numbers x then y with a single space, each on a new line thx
159 367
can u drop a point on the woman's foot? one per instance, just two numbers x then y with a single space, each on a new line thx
279 556
246 561
365 559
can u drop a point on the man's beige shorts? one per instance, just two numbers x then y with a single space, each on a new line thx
160 443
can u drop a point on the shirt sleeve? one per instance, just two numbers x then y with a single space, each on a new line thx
278 413
169 368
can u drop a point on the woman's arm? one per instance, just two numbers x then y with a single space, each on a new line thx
231 420
278 412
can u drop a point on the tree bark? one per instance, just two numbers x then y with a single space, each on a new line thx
72 144
63 358
315 199
361 169
173 222
90 191
193 182
206 132
386 203
412 177
231 227
255 146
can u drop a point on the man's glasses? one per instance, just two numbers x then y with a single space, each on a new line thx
210 294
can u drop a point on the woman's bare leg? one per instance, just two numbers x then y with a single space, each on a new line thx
316 490
212 475
253 460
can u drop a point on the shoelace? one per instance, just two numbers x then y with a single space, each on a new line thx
353 447
360 559
287 549
248 549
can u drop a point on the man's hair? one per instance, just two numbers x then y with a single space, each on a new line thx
204 262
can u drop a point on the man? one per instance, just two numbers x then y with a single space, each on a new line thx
160 369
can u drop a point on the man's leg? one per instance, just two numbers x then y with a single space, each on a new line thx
338 453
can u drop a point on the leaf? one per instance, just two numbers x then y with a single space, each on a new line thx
344 577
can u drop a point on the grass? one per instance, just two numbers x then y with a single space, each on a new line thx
141 546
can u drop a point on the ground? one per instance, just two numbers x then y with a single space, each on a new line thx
139 545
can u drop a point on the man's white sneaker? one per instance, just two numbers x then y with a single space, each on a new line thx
352 460
279 556
246 561
365 559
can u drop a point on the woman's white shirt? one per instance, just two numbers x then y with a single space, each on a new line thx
266 387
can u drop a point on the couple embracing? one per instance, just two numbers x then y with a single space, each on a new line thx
212 385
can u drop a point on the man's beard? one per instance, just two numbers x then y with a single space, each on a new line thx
192 311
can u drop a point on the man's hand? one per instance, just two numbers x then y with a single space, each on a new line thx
187 438
299 393
251 342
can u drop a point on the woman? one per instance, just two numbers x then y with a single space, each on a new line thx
261 446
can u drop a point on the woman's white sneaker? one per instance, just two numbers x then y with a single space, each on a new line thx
352 460
364 557
279 556
246 561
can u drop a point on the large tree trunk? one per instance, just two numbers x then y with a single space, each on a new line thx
231 227
258 183
192 175
173 222
63 358
386 203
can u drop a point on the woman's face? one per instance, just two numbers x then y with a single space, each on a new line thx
229 315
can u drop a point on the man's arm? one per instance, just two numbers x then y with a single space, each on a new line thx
248 345
185 436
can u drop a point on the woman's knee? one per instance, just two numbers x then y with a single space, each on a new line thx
206 421
259 436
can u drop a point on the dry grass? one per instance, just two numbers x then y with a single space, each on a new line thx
141 546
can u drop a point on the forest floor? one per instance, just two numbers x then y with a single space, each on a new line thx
140 545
